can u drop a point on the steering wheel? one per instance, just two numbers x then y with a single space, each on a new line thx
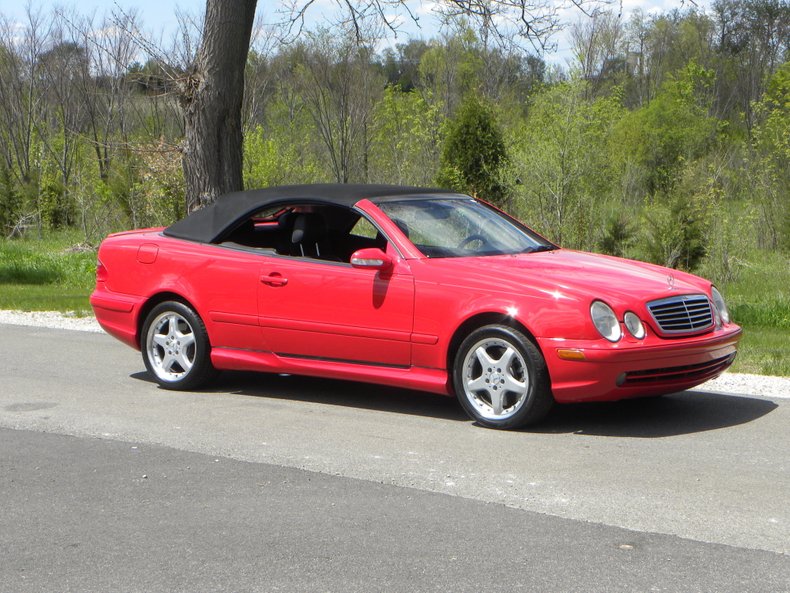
471 239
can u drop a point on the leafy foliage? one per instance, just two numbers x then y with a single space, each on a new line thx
668 139
565 180
674 129
406 138
673 234
771 166
157 199
474 153
617 237
271 160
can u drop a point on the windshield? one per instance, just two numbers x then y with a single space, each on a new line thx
460 228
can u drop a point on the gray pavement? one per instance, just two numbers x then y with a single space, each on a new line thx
83 514
711 468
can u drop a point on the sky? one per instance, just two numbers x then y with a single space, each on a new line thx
159 16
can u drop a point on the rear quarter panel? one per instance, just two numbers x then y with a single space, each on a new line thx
218 282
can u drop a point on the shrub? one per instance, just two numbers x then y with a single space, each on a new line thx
617 237
474 152
673 233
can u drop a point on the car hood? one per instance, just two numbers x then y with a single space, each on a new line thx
572 274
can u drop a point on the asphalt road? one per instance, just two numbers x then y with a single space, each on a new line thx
269 483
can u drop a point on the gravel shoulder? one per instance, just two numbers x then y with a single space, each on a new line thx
52 319
740 383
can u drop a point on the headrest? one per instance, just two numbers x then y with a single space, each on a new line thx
309 227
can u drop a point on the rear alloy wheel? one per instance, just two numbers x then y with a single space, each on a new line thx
176 347
500 378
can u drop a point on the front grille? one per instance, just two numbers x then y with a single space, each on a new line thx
693 372
685 314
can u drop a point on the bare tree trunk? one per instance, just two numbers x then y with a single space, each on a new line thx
212 100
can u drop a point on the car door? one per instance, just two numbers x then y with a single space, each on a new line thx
333 311
223 281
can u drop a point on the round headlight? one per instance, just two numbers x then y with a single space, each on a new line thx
721 307
634 325
605 321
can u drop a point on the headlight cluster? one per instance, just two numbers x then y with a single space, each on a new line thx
721 307
605 321
634 325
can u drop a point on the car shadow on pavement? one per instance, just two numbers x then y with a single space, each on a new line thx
340 393
671 415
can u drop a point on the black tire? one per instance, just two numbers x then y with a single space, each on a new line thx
175 346
511 395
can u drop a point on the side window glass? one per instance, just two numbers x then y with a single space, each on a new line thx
364 228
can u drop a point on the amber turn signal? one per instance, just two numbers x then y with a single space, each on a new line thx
570 354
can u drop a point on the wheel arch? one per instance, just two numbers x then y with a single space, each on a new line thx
480 320
153 301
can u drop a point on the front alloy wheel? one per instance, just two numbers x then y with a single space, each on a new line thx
500 378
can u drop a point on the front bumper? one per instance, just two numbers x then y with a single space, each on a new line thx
628 369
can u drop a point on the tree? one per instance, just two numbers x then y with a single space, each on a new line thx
752 40
21 107
406 133
63 68
338 86
560 157
675 128
103 85
474 153
597 48
450 68
771 160
401 65
212 94
212 97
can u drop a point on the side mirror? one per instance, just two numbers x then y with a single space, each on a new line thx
371 258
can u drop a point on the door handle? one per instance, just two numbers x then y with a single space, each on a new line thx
274 280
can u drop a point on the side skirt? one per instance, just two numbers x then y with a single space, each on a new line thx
421 379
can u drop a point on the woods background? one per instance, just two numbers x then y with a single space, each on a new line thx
666 138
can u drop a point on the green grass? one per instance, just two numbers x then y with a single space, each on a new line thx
48 275
763 351
760 297
30 297
759 300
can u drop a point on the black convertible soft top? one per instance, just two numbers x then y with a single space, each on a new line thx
208 224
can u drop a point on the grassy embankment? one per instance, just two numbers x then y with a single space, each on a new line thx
50 275
759 300
47 274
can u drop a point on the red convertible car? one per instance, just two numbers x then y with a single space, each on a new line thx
419 288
